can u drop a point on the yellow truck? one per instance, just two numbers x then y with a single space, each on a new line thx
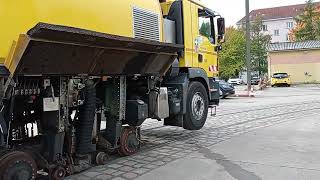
78 78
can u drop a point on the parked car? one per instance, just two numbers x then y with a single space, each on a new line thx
255 80
281 79
235 81
226 89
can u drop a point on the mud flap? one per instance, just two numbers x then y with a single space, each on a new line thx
214 91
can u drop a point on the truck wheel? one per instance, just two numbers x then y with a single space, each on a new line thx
197 107
18 166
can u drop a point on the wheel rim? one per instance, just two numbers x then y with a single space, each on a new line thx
133 142
20 171
129 142
18 166
197 106
59 173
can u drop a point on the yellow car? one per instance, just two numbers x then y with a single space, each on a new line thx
280 79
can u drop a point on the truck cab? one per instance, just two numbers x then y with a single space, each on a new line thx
200 31
195 29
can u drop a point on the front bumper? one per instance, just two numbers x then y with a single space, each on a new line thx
284 81
280 83
228 92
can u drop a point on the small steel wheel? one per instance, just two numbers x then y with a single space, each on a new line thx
101 158
17 165
58 173
129 141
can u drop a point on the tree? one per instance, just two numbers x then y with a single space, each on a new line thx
259 43
308 24
232 57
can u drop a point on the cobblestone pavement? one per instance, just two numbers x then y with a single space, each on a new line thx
162 145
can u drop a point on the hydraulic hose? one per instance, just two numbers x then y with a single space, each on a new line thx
86 120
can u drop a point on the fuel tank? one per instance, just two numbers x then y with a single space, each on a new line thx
39 37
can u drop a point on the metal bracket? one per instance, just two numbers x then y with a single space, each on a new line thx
115 108
5 88
213 110
122 102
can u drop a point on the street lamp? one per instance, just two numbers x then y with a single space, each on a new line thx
248 46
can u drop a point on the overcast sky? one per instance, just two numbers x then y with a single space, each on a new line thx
234 10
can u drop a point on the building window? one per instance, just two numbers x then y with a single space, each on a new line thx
264 27
289 25
288 37
276 32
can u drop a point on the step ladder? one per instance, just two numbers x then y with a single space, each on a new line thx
213 110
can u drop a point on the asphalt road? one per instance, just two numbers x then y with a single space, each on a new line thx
273 136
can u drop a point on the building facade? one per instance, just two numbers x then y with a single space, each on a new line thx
301 60
277 21
278 29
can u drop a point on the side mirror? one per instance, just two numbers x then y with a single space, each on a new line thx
221 28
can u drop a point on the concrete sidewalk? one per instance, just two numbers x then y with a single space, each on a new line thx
289 150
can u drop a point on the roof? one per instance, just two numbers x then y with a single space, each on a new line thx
290 46
277 12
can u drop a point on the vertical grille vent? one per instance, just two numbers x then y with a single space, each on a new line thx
146 24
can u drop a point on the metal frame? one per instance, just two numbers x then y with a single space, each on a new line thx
115 104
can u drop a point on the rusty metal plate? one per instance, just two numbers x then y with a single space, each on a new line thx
59 50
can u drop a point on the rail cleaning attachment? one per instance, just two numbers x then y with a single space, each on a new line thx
59 50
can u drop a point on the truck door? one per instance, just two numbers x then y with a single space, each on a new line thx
191 34
187 59
195 34
199 38
205 43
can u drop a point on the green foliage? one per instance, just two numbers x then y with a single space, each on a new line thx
205 29
232 58
308 24
259 43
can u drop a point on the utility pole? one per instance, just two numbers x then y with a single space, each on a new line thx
248 46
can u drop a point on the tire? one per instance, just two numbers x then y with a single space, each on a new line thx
197 107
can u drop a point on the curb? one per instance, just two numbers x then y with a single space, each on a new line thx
244 95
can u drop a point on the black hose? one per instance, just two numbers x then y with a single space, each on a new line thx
3 131
86 120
